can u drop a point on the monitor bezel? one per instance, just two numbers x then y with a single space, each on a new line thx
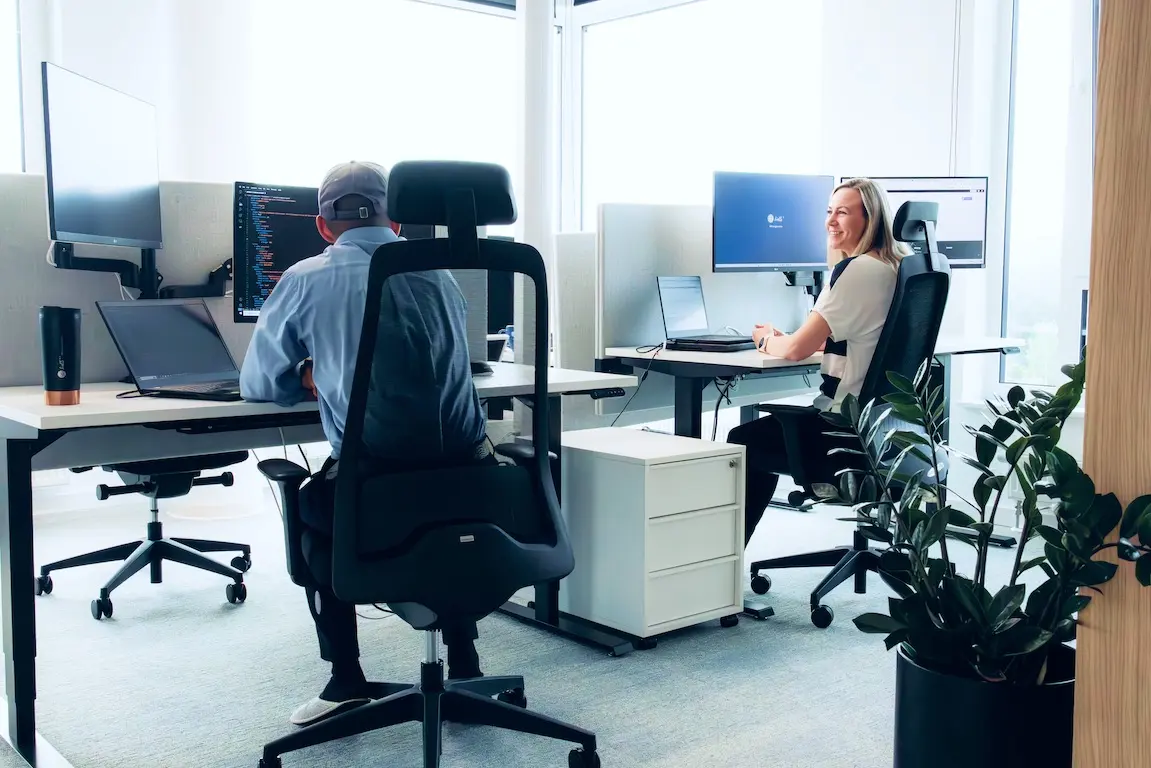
821 266
62 236
964 264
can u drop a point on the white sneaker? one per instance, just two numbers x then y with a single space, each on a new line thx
319 709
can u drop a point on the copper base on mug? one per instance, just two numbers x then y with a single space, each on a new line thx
71 397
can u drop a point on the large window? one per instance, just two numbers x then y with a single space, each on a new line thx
10 112
386 80
1050 177
673 95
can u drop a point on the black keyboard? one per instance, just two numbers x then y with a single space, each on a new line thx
206 388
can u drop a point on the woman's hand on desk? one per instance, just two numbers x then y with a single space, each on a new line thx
762 333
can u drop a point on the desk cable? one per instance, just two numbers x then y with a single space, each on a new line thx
654 349
724 387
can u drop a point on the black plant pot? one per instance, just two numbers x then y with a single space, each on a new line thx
942 721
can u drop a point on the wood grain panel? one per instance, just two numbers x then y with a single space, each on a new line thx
1113 689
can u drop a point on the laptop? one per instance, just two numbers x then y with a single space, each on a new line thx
685 318
172 348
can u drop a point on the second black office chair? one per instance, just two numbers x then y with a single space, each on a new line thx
161 479
440 545
908 339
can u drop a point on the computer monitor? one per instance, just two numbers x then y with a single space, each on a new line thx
962 226
102 164
274 227
769 222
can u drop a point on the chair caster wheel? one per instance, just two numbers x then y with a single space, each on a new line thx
43 585
515 697
727 622
822 616
796 498
242 564
578 758
237 592
760 585
101 608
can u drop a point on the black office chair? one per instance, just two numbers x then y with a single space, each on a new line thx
160 479
439 545
908 339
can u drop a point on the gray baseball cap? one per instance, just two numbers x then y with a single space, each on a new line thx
354 178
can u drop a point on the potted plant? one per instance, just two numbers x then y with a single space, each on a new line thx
985 675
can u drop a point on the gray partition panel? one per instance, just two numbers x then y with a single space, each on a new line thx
635 244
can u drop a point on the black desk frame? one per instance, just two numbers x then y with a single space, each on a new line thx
18 573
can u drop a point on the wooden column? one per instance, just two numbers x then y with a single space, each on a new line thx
1113 688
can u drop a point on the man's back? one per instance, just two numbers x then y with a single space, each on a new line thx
422 403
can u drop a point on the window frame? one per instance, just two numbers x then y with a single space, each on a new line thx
1009 174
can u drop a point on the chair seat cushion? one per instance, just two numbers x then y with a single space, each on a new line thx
181 464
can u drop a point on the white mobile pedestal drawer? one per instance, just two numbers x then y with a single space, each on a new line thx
656 522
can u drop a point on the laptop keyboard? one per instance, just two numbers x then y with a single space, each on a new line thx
206 388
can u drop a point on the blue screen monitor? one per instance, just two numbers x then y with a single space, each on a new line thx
769 222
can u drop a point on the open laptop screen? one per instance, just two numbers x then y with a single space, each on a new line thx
168 342
681 299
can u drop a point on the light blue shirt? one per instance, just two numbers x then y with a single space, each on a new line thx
423 404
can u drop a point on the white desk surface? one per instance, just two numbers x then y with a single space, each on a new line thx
755 360
99 406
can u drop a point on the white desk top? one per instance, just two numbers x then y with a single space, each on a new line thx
755 360
99 406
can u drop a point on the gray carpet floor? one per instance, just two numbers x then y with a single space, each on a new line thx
177 677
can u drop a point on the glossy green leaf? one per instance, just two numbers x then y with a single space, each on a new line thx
1107 512
1143 571
1022 639
1075 604
1027 565
877 623
1051 535
1005 604
825 491
901 382
1015 396
875 533
1136 511
960 518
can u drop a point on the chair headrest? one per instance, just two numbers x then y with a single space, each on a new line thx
909 220
418 192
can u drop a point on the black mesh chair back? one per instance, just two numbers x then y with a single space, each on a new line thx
445 543
913 321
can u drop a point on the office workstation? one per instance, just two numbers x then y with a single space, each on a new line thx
656 540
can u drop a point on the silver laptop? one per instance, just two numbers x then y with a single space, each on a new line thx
685 316
172 348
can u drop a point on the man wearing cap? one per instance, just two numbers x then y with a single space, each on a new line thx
305 345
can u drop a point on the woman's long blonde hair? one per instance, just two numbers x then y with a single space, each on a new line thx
879 235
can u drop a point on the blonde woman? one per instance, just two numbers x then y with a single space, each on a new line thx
846 323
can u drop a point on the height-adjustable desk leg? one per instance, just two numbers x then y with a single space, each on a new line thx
544 611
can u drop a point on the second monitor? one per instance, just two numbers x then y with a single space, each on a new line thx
274 227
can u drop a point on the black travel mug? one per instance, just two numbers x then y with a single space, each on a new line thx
60 352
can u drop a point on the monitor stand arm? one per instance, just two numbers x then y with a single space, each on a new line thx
143 277
217 285
812 282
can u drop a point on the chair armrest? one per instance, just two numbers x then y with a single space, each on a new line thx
288 477
520 453
282 471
